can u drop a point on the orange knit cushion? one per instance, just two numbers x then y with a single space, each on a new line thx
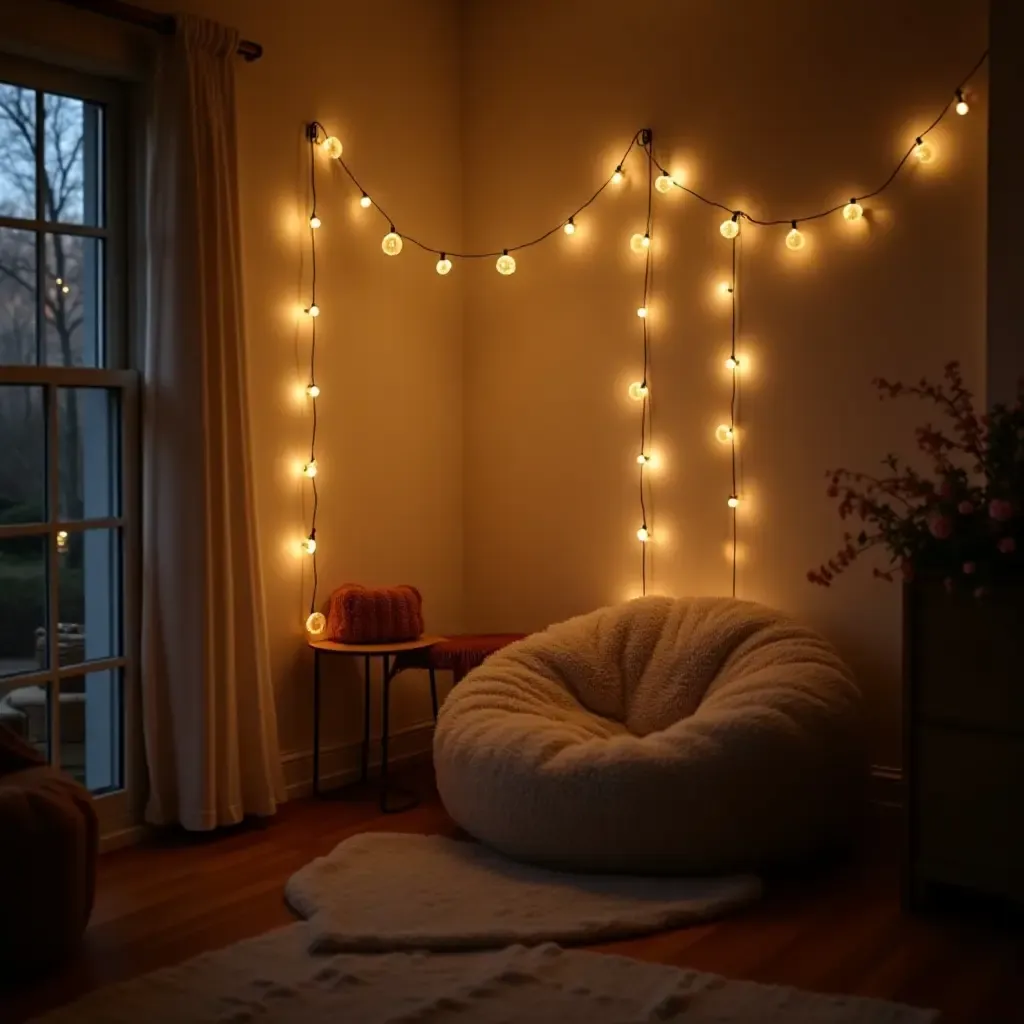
380 615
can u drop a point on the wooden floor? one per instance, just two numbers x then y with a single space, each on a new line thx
838 929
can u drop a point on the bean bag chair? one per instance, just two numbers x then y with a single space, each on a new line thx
660 736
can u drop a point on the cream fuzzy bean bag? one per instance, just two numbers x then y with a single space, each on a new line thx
668 736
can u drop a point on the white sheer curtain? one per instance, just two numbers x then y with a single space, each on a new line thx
208 703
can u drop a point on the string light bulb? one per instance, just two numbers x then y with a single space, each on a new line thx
640 243
643 458
62 541
961 103
795 239
663 183
365 201
314 310
65 289
724 433
333 147
309 544
570 227
316 623
392 242
853 210
310 468
923 151
642 312
732 363
314 222
444 265
730 228
733 501
617 175
638 390
505 264
643 534
725 289
312 391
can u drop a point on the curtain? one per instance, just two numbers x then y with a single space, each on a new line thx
208 703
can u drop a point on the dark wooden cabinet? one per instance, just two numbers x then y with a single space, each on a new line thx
963 741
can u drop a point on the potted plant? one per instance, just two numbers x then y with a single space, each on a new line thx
954 533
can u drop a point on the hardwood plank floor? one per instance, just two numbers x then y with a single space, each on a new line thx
838 928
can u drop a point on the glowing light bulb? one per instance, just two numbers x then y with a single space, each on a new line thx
617 175
732 362
853 210
643 459
733 501
505 264
640 243
365 201
961 103
923 151
725 289
392 242
316 623
312 390
642 312
638 390
730 228
643 534
65 289
310 468
309 545
314 222
444 265
62 540
333 147
313 310
570 228
724 433
795 239
60 280
663 183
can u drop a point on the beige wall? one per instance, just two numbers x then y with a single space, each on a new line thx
775 107
385 78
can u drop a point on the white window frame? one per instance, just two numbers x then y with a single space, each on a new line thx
118 809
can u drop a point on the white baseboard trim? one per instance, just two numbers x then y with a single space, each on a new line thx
886 786
340 763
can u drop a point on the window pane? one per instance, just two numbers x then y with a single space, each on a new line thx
73 305
73 151
17 151
22 604
91 728
18 319
25 710
89 463
22 454
90 596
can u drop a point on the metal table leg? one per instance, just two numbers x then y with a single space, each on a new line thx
316 723
433 691
410 800
365 766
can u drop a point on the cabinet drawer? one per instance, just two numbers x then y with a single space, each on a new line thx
967 793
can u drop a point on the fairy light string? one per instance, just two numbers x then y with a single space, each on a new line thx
394 241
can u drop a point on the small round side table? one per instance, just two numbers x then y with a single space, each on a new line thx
390 669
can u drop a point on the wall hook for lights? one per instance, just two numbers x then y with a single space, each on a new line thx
646 136
312 130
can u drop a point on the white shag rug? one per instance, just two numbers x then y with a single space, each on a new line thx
273 980
383 891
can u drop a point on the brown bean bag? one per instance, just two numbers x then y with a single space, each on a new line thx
49 841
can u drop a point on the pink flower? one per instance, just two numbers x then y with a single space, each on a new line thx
965 508
1000 510
1007 545
969 568
940 527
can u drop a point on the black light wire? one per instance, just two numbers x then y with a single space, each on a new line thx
646 411
732 410
312 361
868 195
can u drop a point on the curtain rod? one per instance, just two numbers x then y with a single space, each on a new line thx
152 20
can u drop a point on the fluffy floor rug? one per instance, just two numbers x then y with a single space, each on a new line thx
384 891
273 980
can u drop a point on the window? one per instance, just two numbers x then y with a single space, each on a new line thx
68 445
